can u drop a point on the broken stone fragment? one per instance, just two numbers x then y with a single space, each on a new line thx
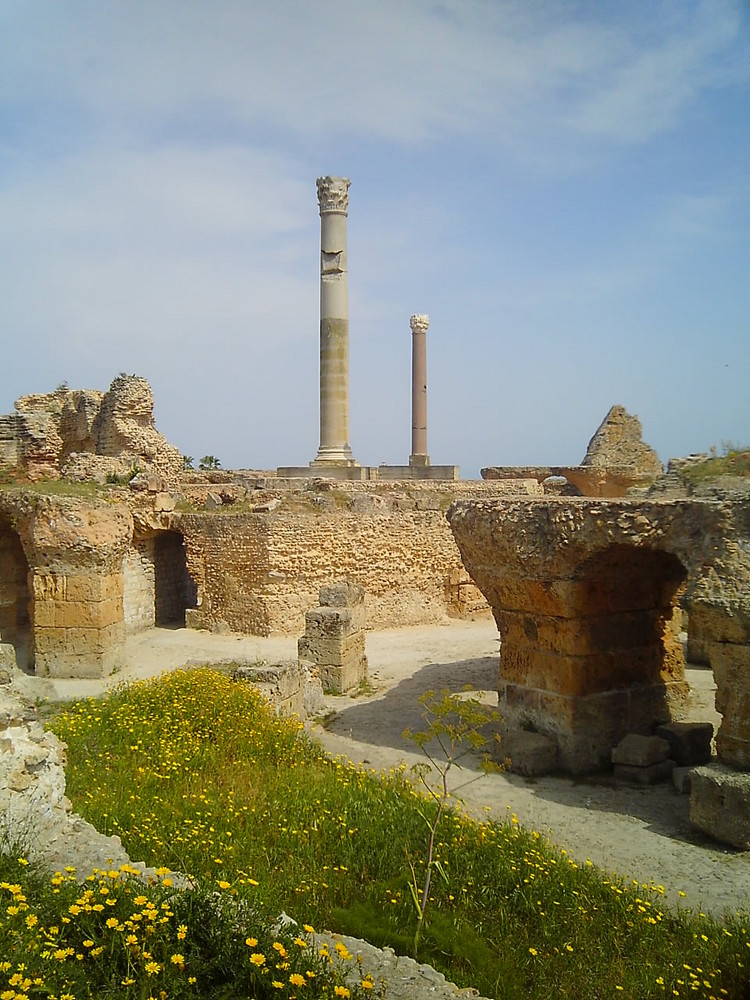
531 754
640 751
720 804
650 775
689 742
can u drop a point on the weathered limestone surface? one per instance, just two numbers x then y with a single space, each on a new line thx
616 460
62 603
586 480
86 434
260 573
618 442
720 804
34 811
292 687
334 638
584 593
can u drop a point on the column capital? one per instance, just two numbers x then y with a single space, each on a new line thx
333 194
419 323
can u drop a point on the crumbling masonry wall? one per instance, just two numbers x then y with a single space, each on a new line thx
585 596
260 573
74 550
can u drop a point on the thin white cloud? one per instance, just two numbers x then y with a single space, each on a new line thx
395 70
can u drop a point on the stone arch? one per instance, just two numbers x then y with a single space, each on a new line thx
628 604
16 605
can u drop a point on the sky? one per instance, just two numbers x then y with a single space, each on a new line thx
562 186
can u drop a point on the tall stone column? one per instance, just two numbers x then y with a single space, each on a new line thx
333 198
419 456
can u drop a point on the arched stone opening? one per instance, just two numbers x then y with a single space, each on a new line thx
16 615
629 606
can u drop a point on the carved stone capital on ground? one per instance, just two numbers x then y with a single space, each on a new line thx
333 194
419 323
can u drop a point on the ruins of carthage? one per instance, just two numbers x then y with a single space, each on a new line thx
593 573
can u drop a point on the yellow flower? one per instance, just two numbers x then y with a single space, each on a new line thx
279 947
178 959
342 991
257 958
277 985
533 951
251 942
296 979
181 932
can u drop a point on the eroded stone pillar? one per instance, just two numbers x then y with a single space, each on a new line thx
419 324
333 199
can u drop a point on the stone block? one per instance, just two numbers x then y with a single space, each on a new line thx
328 623
580 674
280 683
630 774
79 652
720 804
195 618
81 614
8 657
164 502
531 754
99 587
731 667
332 652
640 751
689 742
344 677
341 594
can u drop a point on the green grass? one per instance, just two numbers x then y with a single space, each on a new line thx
736 462
194 772
55 487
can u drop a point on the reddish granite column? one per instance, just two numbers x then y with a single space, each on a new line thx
419 456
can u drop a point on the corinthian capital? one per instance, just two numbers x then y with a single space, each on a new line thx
419 323
333 194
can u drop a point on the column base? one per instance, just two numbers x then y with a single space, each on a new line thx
334 456
419 460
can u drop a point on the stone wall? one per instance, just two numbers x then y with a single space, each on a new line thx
138 576
261 572
74 551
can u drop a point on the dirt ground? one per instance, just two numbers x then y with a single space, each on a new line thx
641 834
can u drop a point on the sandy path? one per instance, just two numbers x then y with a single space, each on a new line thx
641 834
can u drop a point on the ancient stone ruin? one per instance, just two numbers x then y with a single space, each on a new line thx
334 639
83 434
616 460
586 595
